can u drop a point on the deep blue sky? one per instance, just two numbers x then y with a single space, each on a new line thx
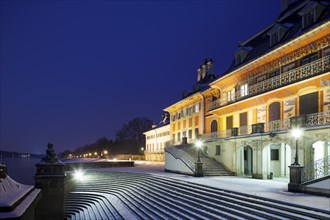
75 71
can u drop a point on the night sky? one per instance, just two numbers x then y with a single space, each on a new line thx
74 71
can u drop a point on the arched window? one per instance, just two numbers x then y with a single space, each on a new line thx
214 126
274 112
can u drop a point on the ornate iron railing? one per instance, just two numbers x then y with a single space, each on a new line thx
183 156
316 170
322 118
291 76
312 120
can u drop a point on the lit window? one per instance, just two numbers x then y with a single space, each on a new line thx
197 108
231 95
244 89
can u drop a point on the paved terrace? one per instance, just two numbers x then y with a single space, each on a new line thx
275 189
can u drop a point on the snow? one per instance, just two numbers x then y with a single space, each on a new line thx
275 189
11 191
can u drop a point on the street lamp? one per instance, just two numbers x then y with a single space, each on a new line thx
106 154
198 145
296 133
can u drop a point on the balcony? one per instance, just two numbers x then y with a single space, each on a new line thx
312 120
300 73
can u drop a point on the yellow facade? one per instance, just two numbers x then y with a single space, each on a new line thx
245 116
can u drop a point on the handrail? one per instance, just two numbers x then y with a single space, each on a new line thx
315 170
183 156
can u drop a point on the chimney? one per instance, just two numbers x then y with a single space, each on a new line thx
199 73
204 70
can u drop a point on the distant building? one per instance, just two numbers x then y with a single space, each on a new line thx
279 80
157 139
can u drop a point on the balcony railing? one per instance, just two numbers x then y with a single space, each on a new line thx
305 71
312 120
316 170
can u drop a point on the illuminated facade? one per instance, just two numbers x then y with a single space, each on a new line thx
157 139
279 79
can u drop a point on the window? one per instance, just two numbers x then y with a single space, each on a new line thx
231 95
308 18
289 67
173 137
308 104
243 119
261 78
274 39
274 154
173 117
274 111
244 89
275 73
229 122
179 136
238 59
218 150
197 107
178 115
196 133
309 58
190 110
184 134
214 126
190 134
184 113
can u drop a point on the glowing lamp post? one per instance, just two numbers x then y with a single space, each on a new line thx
296 133
199 164
198 146
295 168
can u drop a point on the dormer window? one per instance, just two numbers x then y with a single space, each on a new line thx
277 33
310 13
241 54
308 18
274 39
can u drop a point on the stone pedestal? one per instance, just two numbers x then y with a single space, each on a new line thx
50 178
199 169
295 178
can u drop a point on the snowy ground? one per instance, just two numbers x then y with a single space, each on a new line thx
274 189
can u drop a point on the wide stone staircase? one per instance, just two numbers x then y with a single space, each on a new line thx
211 167
125 195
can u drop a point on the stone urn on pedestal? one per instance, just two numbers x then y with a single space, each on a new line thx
50 178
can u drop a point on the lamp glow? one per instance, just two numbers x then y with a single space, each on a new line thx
78 175
296 132
199 144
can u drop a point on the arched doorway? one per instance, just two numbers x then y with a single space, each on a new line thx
214 128
248 160
276 160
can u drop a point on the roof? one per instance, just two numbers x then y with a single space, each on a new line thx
289 18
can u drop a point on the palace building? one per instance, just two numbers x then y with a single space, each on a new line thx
157 139
278 81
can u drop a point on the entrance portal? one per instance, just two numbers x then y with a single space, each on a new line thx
248 161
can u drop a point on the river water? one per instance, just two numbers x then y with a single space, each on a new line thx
22 170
